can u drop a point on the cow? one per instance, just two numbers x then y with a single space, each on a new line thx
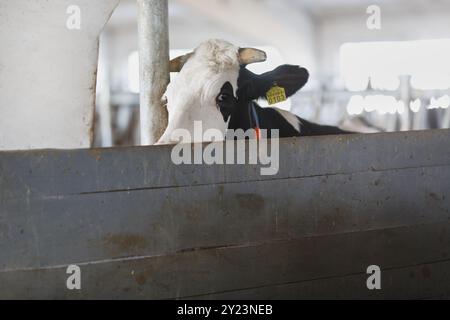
243 112
213 86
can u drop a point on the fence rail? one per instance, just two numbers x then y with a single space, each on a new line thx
141 227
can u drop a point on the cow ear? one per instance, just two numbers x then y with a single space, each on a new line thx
291 78
175 65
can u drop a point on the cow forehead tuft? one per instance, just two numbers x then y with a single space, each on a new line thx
218 53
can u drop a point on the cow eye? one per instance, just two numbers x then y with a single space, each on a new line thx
222 97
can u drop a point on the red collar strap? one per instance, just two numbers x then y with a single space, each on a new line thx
254 120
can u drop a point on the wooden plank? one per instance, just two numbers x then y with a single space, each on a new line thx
61 230
242 267
54 173
422 281
166 231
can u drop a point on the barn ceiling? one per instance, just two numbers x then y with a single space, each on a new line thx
319 9
323 8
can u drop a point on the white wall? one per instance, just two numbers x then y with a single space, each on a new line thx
48 73
334 31
242 22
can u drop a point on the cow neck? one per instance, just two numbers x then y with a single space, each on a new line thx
246 118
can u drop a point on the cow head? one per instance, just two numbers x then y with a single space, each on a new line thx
252 86
203 76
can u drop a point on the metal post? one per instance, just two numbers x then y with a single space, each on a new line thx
406 97
154 67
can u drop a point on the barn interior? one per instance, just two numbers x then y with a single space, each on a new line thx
135 223
394 76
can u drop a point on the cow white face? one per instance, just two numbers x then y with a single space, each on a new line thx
192 95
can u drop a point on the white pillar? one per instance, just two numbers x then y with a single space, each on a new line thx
154 67
48 68
104 93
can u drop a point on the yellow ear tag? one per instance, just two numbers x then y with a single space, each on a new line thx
275 95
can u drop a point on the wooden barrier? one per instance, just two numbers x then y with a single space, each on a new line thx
139 226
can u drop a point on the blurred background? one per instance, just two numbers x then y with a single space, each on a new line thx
390 77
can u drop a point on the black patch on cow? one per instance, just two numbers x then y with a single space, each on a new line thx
270 118
226 101
252 86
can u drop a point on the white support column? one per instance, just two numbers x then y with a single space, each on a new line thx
154 67
48 72
104 93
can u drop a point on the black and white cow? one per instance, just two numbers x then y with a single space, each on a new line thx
241 111
214 87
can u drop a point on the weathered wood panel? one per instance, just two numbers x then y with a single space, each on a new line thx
417 282
141 227
52 173
153 222
199 272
